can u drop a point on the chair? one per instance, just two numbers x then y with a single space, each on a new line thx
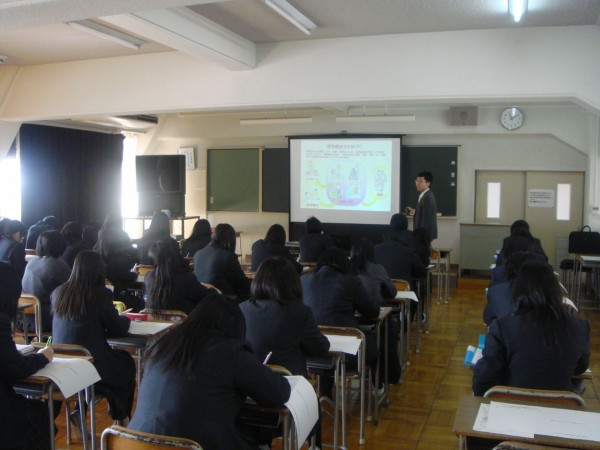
120 438
560 398
74 350
170 315
142 269
440 271
33 306
403 319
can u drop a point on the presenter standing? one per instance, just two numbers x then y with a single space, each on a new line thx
425 215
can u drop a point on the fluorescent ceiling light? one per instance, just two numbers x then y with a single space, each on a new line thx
517 9
276 121
103 32
399 118
292 15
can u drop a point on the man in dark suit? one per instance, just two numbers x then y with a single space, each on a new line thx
425 215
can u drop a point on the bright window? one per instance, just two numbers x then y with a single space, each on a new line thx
129 198
10 186
563 202
493 200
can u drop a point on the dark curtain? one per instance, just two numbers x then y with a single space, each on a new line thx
72 174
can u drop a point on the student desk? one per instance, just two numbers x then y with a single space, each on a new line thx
586 261
40 386
467 410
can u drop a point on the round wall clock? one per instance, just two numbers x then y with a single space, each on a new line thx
511 118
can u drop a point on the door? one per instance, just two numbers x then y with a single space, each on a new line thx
499 196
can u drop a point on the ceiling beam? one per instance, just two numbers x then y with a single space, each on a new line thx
190 33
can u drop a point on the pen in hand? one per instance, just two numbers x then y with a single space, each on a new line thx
49 341
267 358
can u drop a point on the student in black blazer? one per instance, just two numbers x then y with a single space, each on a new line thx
159 230
314 242
170 285
520 228
399 259
277 321
73 234
23 422
218 265
197 377
199 238
85 315
540 345
272 245
12 249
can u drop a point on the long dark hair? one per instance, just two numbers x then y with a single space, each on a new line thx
537 291
160 225
224 237
335 258
83 288
51 243
362 252
166 262
276 233
111 235
73 232
277 280
201 230
215 315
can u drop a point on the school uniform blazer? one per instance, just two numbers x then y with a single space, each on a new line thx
42 276
146 242
400 260
221 268
333 297
91 331
537 249
13 367
426 214
312 245
186 291
265 248
499 302
191 246
205 404
514 355
73 250
13 252
288 331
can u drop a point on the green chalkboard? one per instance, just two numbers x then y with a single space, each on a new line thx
232 179
276 180
442 162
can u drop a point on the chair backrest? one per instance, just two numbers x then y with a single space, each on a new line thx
401 285
142 269
65 349
559 398
171 315
33 307
280 370
120 438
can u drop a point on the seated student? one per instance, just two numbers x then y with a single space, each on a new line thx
399 259
199 238
197 376
514 244
73 234
85 315
12 249
218 265
334 295
540 345
521 228
45 272
500 295
23 422
119 257
277 322
170 285
272 245
399 229
159 230
46 224
314 242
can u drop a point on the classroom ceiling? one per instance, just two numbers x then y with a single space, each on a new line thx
35 32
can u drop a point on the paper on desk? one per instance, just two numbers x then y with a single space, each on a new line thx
567 423
71 375
407 294
303 405
24 348
148 327
496 420
344 344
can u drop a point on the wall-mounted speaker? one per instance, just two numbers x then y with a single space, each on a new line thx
463 116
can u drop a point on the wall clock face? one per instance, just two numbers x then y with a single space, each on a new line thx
511 118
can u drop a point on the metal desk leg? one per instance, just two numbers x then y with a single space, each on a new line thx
363 371
81 400
51 415
91 401
418 321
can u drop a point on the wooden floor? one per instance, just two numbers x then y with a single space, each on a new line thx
421 409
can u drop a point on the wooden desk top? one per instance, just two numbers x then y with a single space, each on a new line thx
467 410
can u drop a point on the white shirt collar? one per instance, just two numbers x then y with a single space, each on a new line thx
422 194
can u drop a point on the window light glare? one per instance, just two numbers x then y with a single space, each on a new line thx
493 200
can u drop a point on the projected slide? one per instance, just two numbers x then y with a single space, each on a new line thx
344 180
346 175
